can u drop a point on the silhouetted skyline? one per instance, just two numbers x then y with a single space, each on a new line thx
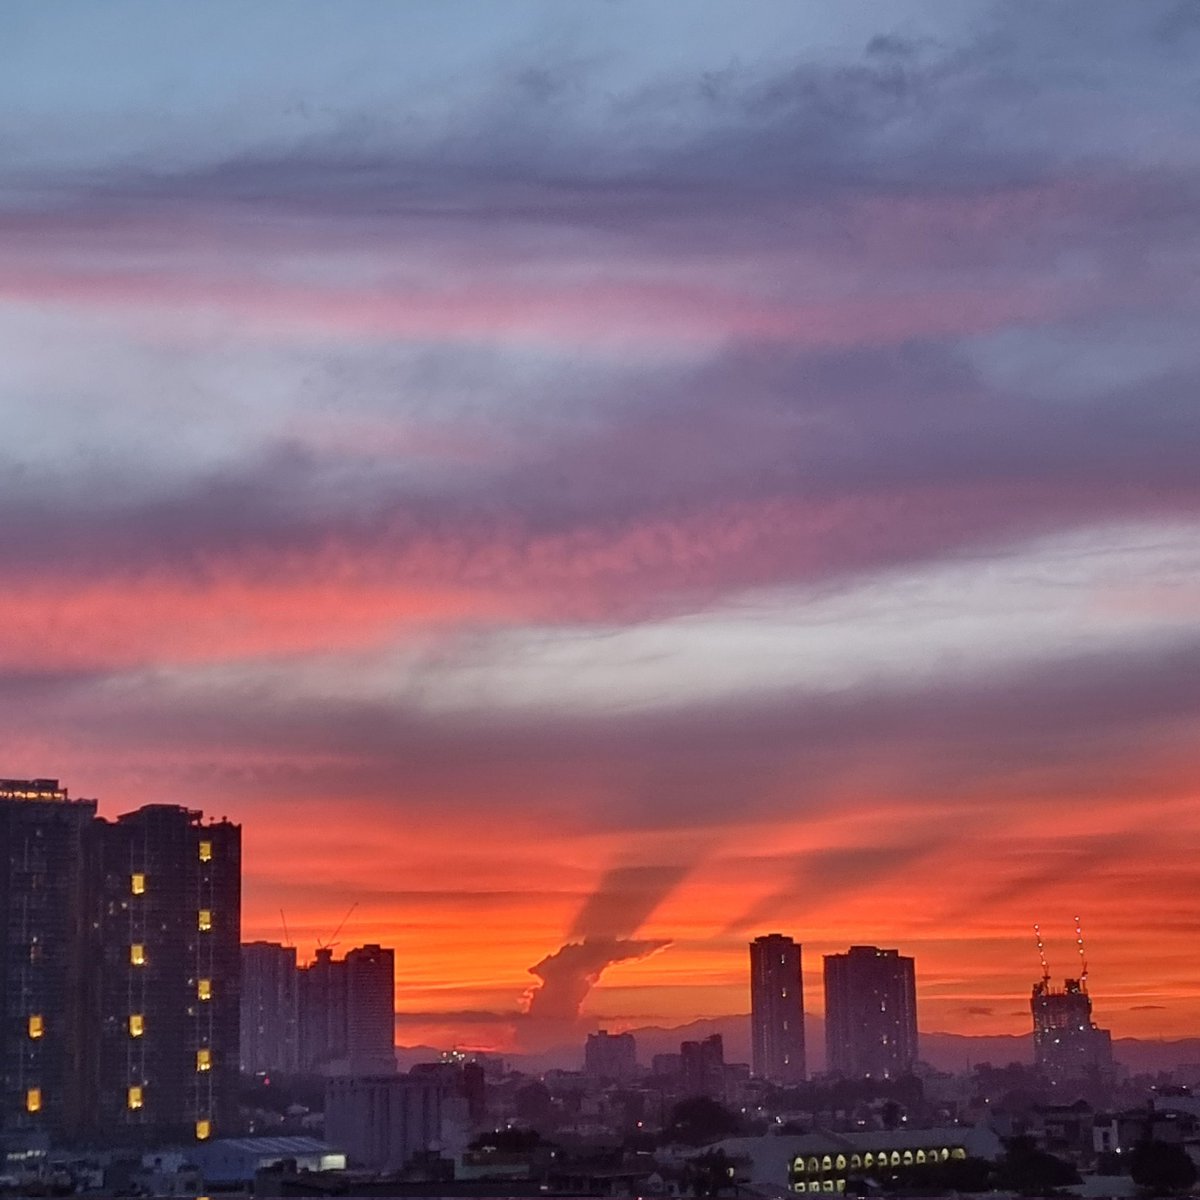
595 483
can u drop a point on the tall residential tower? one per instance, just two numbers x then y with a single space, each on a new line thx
870 1013
777 1009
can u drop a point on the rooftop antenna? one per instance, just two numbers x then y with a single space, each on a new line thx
1082 956
287 937
331 943
1037 933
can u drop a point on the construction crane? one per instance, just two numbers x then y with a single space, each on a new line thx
1041 948
287 937
341 924
1083 972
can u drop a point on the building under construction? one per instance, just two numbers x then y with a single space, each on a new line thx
1067 1044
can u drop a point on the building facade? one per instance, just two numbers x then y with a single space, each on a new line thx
777 1009
1067 1043
610 1056
382 1122
870 1013
270 1009
702 1067
371 1010
44 961
347 1012
119 970
170 970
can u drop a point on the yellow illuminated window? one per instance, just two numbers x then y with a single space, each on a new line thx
203 1060
137 883
36 1025
134 1098
33 1100
203 1130
206 851
137 954
137 1024
204 989
205 920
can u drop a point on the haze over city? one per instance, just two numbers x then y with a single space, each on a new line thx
593 484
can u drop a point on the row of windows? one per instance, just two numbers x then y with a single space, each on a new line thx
135 1098
137 881
883 1158
817 1185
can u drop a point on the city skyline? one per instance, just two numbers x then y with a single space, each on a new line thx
599 484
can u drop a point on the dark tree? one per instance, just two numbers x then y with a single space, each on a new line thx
1162 1167
700 1120
712 1173
1033 1172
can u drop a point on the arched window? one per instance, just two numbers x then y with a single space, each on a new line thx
869 1161
855 1161
908 1158
827 1163
840 1162
895 1158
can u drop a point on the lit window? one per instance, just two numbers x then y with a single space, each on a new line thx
36 1026
204 922
206 851
137 954
33 1100
137 883
203 1060
134 1098
137 1024
203 1130
204 989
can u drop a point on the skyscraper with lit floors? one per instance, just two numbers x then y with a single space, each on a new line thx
777 1009
170 963
44 888
870 1013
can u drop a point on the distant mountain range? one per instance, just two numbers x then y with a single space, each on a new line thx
945 1051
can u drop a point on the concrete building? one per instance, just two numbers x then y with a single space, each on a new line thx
347 1012
44 959
777 1009
870 1013
383 1121
270 1009
371 1010
610 1057
1067 1043
119 970
821 1163
702 1067
321 995
169 889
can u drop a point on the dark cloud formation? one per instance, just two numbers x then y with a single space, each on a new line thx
624 899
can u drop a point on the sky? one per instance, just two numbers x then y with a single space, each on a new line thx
595 481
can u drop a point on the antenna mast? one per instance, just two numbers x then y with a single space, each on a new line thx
1082 957
1041 948
287 937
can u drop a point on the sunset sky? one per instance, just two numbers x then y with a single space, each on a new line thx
620 477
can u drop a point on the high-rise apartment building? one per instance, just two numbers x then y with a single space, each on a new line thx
870 1013
119 969
610 1056
270 1008
702 1067
1067 1043
347 1012
44 959
371 1010
777 1009
170 966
